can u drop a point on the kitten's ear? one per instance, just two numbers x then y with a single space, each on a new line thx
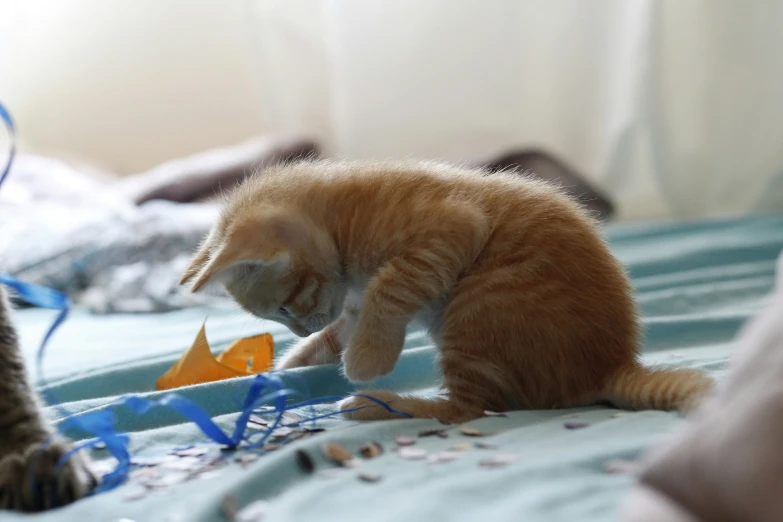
227 257
200 259
263 240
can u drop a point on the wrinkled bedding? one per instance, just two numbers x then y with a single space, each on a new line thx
696 284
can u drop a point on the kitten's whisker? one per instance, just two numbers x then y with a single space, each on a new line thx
333 346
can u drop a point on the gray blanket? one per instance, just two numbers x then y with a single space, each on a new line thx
83 236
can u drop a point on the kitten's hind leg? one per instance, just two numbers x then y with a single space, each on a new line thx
439 408
471 384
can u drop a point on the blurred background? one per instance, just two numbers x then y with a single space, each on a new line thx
665 117
671 107
133 114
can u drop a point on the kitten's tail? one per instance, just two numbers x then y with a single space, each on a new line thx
639 388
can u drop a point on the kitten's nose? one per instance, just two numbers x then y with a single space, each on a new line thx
317 322
300 331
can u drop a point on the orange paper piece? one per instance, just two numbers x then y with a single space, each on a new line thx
246 356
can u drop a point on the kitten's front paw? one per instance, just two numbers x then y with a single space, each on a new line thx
317 349
370 357
367 409
32 481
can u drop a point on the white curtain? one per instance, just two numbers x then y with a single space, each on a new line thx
129 83
675 107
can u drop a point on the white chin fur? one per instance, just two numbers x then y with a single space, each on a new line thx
317 322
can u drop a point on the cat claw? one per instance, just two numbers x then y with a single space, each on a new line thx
33 481
366 409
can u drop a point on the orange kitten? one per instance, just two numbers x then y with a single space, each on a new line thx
517 288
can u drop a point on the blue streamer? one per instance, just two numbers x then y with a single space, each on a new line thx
265 388
9 124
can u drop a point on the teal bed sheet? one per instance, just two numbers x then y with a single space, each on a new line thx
696 284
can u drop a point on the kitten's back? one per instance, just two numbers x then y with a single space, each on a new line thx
543 293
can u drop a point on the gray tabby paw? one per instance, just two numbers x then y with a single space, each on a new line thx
31 481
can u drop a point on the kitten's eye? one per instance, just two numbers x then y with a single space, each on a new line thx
283 311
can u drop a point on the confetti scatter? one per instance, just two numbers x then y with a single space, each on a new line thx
409 453
370 450
498 461
257 422
470 431
369 477
134 494
337 454
143 475
253 512
183 464
484 445
165 481
443 457
298 435
246 459
291 419
193 451
575 425
281 433
437 432
404 440
622 467
305 462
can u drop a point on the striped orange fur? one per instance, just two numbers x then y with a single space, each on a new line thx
511 277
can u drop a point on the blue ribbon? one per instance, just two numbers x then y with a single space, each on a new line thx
9 124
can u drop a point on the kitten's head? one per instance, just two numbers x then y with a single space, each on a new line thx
276 264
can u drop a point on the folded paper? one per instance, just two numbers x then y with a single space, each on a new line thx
247 356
